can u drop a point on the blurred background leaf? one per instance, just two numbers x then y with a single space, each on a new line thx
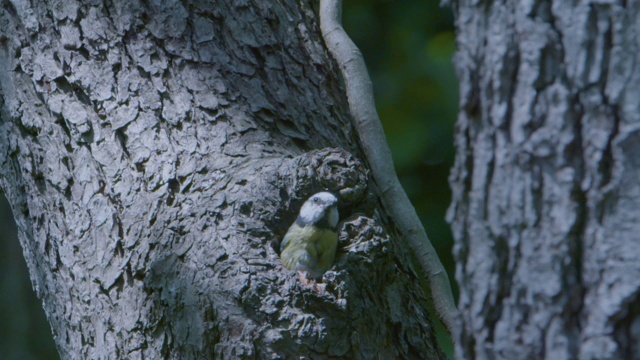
24 331
408 46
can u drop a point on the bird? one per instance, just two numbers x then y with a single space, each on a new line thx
310 243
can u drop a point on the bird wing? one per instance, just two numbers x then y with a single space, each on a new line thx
300 235
285 242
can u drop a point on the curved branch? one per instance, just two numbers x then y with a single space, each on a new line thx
367 123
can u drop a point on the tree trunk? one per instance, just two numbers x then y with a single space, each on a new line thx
154 154
545 186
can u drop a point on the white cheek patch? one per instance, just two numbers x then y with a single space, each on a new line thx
310 214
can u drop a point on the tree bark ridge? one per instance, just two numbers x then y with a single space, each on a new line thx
542 204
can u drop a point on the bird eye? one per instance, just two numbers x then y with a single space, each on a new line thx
316 199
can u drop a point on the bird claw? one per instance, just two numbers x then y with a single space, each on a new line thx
312 283
304 279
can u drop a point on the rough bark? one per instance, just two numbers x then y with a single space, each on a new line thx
545 186
154 153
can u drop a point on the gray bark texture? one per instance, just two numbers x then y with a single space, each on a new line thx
546 190
155 153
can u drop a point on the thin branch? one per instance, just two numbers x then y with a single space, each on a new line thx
367 123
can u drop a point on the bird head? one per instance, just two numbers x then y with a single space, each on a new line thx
319 210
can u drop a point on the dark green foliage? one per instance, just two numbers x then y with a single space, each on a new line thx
408 47
24 331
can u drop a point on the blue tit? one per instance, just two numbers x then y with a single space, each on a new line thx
310 243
